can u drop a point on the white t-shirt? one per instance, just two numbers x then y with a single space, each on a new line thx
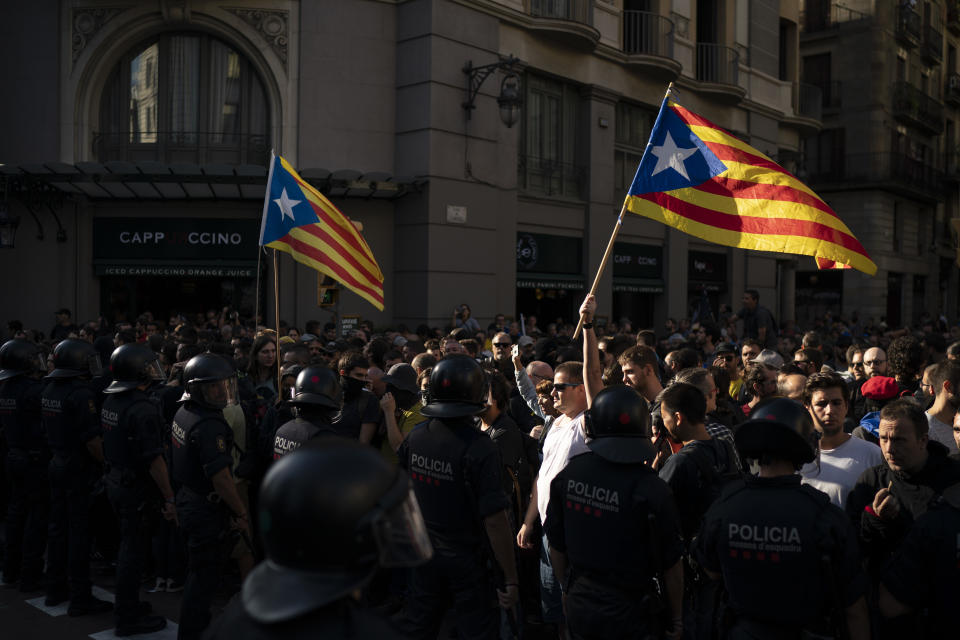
564 440
839 468
941 432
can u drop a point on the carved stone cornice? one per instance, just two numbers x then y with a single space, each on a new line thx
86 23
271 25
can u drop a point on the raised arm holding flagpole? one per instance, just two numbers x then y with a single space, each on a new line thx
697 178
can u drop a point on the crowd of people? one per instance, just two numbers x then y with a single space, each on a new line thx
724 477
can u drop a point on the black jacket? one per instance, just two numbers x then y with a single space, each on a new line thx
880 538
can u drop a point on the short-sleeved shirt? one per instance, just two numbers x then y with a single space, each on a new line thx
363 409
201 446
684 474
838 469
941 432
767 537
455 473
594 500
409 418
565 440
69 415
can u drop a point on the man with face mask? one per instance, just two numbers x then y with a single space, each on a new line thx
401 406
360 415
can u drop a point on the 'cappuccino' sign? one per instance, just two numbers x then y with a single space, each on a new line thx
117 239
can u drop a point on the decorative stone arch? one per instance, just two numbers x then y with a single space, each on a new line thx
101 36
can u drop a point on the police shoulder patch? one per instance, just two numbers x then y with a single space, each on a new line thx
221 444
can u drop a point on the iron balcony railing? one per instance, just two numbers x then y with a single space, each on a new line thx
895 169
717 64
908 27
808 100
182 146
819 15
572 10
548 177
647 33
912 105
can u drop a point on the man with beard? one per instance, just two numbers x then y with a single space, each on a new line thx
842 457
361 412
945 381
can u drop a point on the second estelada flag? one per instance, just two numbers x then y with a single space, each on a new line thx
299 220
697 178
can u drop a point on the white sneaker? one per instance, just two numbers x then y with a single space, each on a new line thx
160 587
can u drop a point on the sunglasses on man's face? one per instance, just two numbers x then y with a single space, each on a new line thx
502 345
563 386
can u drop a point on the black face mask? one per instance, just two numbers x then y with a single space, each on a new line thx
352 387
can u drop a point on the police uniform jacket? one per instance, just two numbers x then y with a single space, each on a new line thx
599 516
296 433
201 442
879 538
768 537
455 472
69 417
925 571
20 414
506 435
132 427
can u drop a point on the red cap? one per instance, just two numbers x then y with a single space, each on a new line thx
880 388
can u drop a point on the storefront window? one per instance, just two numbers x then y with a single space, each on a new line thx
184 98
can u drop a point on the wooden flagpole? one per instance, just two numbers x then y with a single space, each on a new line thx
276 315
613 238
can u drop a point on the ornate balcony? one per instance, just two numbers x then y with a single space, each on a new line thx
913 107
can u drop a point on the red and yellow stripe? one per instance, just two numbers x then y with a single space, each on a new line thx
333 246
754 204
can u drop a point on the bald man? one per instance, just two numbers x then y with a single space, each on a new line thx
791 386
875 362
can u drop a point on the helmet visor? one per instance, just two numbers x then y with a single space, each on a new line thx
94 366
218 393
154 371
401 534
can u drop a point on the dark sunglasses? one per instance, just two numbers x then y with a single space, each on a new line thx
502 345
561 386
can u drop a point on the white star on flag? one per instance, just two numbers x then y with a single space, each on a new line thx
286 204
669 156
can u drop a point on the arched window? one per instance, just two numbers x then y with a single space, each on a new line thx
184 98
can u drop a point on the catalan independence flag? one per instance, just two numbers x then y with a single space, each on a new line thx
697 178
298 219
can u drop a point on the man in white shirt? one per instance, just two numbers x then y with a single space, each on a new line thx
842 457
564 440
945 386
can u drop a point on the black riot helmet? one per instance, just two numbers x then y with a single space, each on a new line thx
132 365
618 425
330 513
778 428
458 388
317 386
73 358
19 357
210 381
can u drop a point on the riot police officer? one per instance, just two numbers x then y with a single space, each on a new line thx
787 556
21 366
455 470
208 499
316 399
329 513
613 522
71 421
135 470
